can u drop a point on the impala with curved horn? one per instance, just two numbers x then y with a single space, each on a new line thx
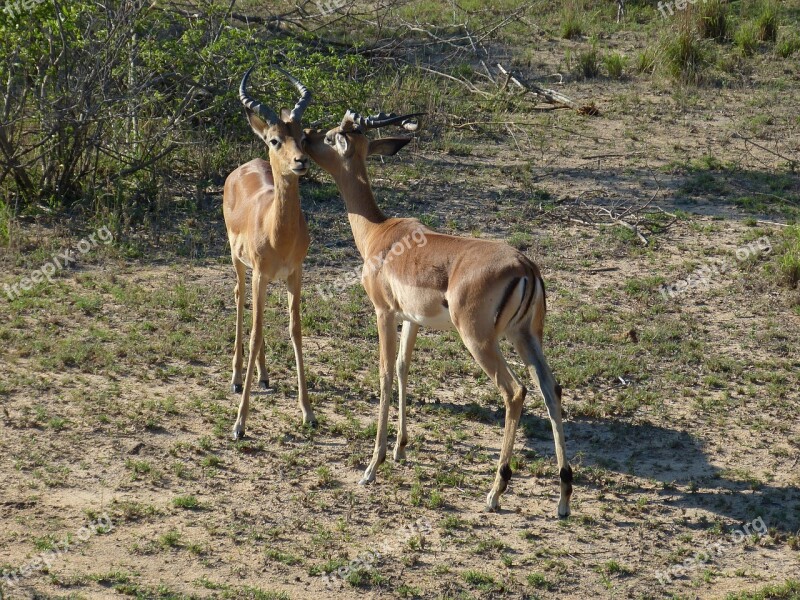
268 234
484 289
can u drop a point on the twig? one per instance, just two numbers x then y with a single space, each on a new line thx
792 162
463 82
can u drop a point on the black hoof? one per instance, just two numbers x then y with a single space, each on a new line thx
239 436
263 385
237 388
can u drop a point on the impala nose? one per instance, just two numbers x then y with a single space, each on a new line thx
300 164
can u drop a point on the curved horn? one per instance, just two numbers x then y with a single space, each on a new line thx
380 120
263 111
305 96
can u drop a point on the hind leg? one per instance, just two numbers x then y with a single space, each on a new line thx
485 348
408 338
530 349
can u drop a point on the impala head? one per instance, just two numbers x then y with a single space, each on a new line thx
283 134
347 144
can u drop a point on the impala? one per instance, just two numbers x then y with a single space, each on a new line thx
486 290
268 234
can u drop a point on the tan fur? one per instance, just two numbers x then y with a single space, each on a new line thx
268 234
448 281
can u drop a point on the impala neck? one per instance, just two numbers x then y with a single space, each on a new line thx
362 211
286 205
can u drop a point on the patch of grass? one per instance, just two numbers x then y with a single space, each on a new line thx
790 590
712 20
767 22
325 475
282 557
187 502
788 256
539 581
615 64
788 44
571 21
482 581
364 578
612 567
686 56
746 38
645 61
589 63
170 539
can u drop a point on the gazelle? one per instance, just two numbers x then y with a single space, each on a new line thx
486 290
268 234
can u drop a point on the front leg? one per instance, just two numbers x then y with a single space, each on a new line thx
387 336
256 340
293 285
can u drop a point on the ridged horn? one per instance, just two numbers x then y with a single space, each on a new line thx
305 96
380 120
262 110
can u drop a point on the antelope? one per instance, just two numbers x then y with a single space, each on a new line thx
268 234
484 289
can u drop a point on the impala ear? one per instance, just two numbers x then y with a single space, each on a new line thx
342 144
387 146
257 124
286 115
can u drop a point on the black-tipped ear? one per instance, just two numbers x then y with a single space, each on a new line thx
257 124
387 146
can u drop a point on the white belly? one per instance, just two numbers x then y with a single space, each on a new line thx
441 320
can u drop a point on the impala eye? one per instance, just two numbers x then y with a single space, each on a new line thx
275 143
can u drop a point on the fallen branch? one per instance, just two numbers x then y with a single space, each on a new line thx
550 96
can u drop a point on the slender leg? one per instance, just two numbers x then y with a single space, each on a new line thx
387 334
530 349
238 347
256 340
486 352
408 338
293 283
261 366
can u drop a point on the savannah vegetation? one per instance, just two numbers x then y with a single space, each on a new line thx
680 412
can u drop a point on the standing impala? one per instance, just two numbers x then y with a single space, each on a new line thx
268 234
487 290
